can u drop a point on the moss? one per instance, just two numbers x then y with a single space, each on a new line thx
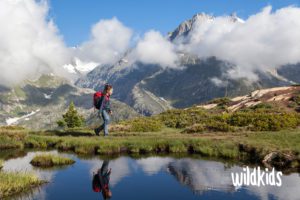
15 182
50 160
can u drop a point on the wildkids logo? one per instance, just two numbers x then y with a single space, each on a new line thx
257 177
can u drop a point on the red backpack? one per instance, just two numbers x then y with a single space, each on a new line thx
96 184
96 99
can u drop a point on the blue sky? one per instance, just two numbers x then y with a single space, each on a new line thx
75 18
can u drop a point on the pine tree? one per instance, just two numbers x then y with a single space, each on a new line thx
71 118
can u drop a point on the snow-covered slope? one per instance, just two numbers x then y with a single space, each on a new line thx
80 67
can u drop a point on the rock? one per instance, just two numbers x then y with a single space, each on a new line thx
278 160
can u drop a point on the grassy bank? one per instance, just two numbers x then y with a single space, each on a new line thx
50 160
15 182
242 146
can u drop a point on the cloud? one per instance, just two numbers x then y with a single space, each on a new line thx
265 41
29 43
110 39
153 48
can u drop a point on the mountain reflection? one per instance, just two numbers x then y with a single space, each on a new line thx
200 176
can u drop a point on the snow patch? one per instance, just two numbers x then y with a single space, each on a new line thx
47 96
14 120
163 99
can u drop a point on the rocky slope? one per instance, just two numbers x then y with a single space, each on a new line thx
39 104
286 98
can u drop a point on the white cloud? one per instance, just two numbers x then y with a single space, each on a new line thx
110 39
265 41
218 82
153 48
29 43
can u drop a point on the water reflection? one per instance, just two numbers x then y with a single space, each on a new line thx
149 178
201 175
101 180
121 166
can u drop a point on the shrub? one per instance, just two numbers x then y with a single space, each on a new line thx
119 128
262 106
61 123
177 118
221 101
296 99
292 104
218 126
262 117
259 121
195 128
71 118
240 119
274 122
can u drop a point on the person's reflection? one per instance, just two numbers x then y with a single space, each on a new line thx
101 180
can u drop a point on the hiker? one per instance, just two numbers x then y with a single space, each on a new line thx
102 103
101 180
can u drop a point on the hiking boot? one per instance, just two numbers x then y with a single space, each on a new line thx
97 131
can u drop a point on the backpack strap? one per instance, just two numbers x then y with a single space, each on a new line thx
101 106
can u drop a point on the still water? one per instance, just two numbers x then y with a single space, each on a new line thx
148 178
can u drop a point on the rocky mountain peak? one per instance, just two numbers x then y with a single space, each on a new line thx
185 27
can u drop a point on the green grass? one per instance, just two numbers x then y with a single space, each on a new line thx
15 182
12 137
50 160
168 140
210 144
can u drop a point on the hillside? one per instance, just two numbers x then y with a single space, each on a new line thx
151 89
40 103
271 109
284 98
